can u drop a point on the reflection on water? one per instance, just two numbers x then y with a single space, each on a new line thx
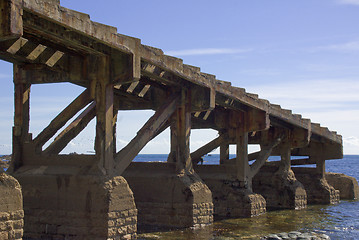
339 221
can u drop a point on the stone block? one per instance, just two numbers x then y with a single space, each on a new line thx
348 186
11 208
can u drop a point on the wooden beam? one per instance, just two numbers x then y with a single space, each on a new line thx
11 25
182 133
320 166
215 143
103 90
262 158
302 161
21 118
327 150
144 135
253 156
202 99
224 148
71 131
242 166
285 153
60 120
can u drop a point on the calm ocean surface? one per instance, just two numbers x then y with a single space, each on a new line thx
340 221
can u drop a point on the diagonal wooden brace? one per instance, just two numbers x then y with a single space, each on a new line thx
145 134
60 120
215 143
262 157
72 130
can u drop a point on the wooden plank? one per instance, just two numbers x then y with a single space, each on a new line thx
215 143
71 131
144 135
60 120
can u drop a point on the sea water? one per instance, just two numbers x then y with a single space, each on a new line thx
339 221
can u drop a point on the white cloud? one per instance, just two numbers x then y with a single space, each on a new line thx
334 103
351 145
206 51
329 92
342 47
352 141
348 2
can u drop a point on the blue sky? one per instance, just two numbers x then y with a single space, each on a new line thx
303 55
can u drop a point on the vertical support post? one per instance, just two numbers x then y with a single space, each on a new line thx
22 116
223 150
320 167
115 114
285 153
242 164
173 135
104 98
180 133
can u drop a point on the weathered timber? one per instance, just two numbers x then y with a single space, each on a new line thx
102 89
242 165
127 154
61 119
71 131
262 158
181 132
21 118
215 143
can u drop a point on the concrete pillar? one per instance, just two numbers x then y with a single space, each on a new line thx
11 210
279 185
231 181
318 189
171 194
59 204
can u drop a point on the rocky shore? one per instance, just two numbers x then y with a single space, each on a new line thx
297 236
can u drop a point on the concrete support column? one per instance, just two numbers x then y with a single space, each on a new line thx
317 187
59 204
230 182
281 190
171 194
